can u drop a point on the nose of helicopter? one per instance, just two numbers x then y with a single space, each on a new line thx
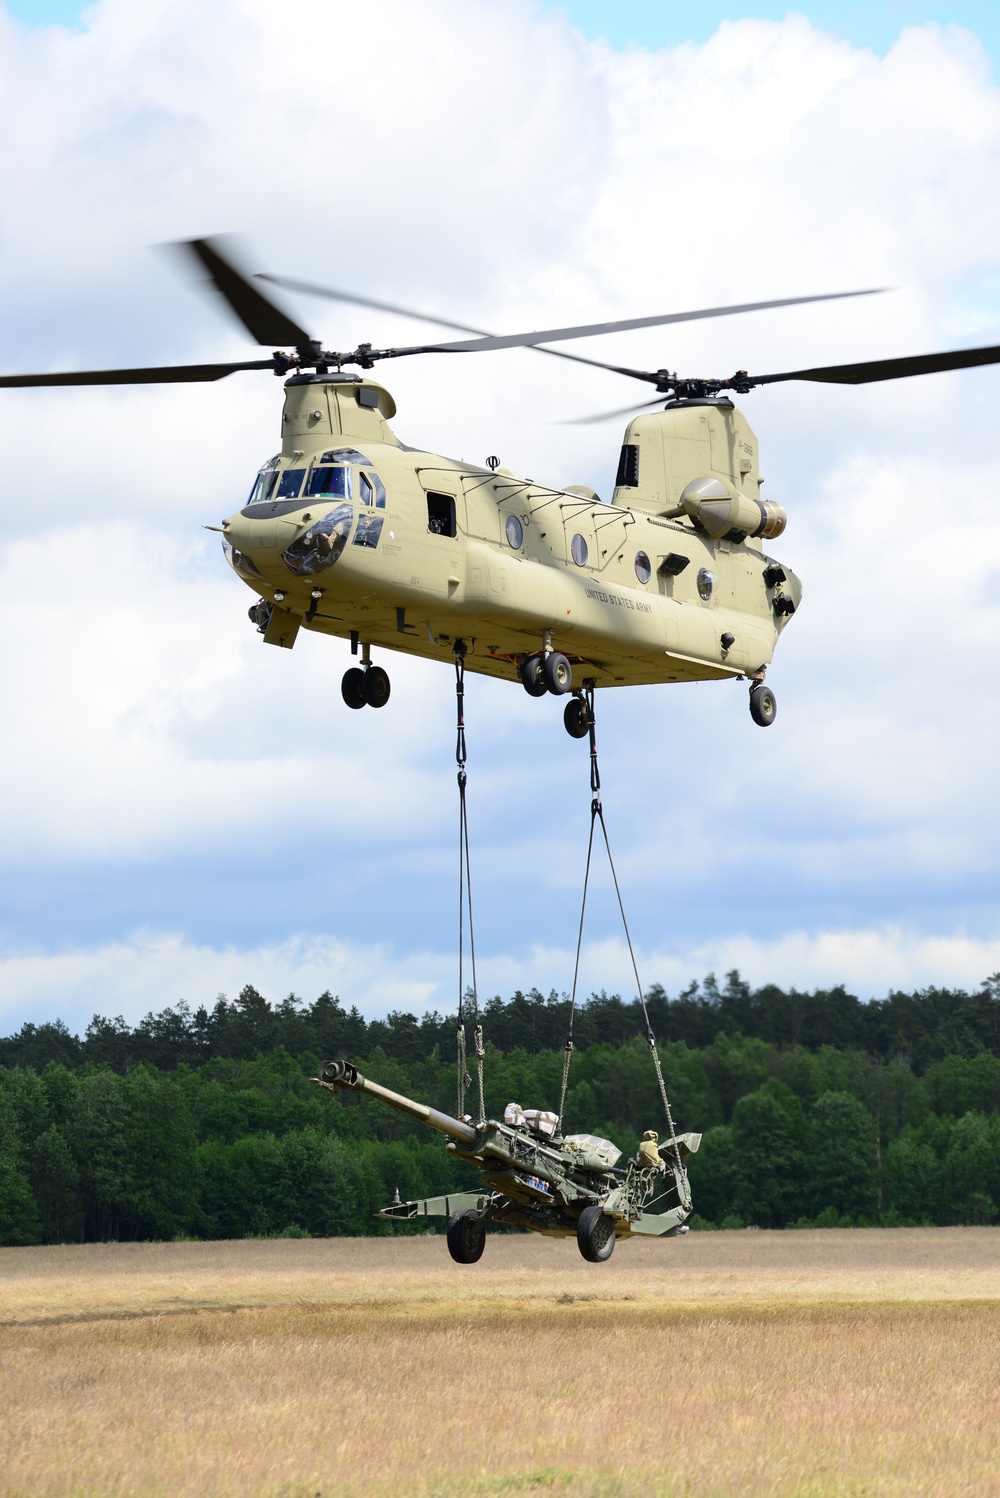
266 532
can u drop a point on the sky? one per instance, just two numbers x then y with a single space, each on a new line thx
185 810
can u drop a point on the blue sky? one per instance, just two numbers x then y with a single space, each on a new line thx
647 23
175 824
871 24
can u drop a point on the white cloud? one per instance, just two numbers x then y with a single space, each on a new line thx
481 160
150 971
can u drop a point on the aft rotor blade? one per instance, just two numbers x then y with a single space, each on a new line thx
590 330
263 319
886 369
586 421
164 374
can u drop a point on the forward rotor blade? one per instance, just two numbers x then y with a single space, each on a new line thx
164 374
310 288
886 369
263 319
590 330
586 421
332 294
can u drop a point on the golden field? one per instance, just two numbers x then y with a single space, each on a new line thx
718 1363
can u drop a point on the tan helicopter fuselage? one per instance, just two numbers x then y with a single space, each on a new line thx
352 534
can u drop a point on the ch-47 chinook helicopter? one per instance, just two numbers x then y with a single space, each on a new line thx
351 533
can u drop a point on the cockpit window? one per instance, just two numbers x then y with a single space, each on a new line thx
369 528
290 484
321 545
345 455
263 487
372 490
333 483
240 563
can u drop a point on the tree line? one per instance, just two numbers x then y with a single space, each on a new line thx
920 1027
204 1123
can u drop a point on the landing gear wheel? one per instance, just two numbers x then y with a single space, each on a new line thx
763 705
352 688
595 1233
557 674
530 672
576 718
376 686
466 1236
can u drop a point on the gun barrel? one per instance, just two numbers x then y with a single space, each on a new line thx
345 1074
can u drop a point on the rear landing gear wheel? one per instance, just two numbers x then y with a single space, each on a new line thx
530 672
376 686
557 674
352 688
595 1233
576 718
466 1236
763 705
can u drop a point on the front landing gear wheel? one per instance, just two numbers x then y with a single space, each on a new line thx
557 674
352 688
763 705
576 718
466 1236
595 1233
530 672
376 686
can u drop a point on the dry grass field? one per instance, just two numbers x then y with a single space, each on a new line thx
821 1363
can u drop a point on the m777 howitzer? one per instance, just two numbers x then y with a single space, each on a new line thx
535 1177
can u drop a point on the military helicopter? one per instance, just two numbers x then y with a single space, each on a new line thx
349 532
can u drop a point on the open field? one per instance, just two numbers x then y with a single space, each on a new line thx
720 1363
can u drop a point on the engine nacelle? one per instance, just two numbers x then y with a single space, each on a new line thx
722 510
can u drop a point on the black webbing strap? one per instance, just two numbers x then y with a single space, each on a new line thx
597 814
465 898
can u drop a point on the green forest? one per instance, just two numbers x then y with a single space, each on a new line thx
815 1109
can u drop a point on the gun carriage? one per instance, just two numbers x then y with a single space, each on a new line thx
534 1176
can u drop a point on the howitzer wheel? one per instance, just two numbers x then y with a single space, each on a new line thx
595 1233
466 1236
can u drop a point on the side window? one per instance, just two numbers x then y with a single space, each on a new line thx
372 490
628 467
369 528
441 514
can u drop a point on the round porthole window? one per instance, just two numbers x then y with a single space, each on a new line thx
515 535
706 582
578 550
643 567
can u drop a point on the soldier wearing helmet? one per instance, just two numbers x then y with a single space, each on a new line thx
649 1156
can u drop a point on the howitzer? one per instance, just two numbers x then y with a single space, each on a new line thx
535 1177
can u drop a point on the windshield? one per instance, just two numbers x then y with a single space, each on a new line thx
290 483
332 482
263 484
